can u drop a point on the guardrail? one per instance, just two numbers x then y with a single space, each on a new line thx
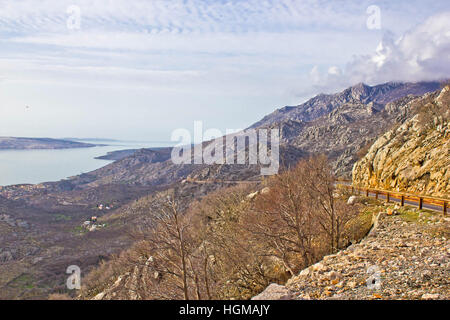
403 197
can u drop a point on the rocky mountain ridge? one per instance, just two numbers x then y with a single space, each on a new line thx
414 156
323 104
340 125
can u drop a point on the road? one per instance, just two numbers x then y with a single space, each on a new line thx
432 207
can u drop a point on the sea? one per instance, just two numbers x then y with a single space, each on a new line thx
37 166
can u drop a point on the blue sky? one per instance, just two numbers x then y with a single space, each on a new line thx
141 69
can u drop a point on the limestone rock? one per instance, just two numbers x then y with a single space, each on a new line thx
397 261
430 296
275 292
351 200
415 156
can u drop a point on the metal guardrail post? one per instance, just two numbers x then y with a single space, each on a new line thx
433 201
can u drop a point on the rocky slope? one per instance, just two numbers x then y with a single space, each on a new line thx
341 124
323 104
405 256
415 156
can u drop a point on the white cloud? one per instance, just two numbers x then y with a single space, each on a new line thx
335 71
177 15
198 59
423 53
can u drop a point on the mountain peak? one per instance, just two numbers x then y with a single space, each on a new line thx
323 104
360 85
360 91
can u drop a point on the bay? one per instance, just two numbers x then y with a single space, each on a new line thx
37 166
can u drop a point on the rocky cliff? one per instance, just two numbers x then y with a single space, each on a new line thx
341 124
405 256
414 156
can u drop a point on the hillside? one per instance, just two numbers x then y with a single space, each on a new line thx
415 156
405 255
237 240
341 124
40 143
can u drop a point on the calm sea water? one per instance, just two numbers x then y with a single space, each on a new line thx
36 166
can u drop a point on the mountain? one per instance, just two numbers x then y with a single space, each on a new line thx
338 125
40 143
361 93
414 156
341 124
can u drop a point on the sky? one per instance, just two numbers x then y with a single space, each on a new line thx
138 70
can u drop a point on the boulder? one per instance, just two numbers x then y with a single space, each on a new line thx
351 200
252 195
275 292
430 296
318 267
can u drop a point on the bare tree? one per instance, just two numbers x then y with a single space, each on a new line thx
169 246
300 214
331 212
231 245
284 219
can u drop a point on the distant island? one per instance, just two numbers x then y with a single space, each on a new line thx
14 143
117 155
91 139
121 154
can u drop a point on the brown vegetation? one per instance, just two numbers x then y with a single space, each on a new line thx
232 243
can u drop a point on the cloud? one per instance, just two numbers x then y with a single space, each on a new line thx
227 60
422 53
174 15
334 71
